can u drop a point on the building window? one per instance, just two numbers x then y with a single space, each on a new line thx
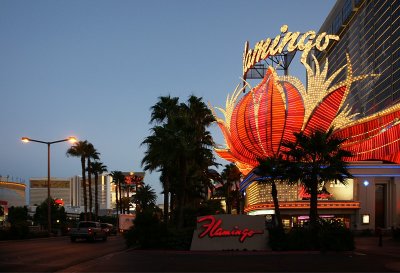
346 10
365 219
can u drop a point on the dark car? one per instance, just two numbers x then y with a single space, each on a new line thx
88 230
109 228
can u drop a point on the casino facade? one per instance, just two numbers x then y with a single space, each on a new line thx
256 120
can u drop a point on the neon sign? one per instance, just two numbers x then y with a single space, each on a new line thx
212 228
303 194
290 40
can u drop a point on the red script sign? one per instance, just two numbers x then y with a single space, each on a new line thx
212 228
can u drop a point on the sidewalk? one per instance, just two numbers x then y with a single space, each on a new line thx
386 248
389 246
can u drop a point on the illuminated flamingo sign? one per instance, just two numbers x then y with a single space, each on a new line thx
227 232
212 228
255 125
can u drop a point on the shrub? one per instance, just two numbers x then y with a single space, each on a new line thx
146 232
396 234
302 238
328 235
179 239
19 231
277 239
333 235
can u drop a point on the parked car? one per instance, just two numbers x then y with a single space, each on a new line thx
87 230
109 228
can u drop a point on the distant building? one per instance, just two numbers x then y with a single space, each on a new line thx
70 192
13 193
59 189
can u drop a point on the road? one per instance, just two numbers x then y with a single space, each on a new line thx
369 257
59 255
53 254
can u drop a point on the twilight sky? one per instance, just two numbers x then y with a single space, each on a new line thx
93 69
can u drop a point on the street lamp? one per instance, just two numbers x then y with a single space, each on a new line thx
27 139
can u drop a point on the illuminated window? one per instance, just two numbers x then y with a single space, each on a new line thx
365 219
286 222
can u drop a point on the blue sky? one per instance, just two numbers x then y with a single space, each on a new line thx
94 68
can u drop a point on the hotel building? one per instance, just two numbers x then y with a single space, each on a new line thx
367 201
254 127
70 193
369 32
11 194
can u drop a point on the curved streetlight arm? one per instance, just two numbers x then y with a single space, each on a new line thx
27 139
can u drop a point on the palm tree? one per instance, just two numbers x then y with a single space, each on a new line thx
145 197
230 179
91 153
79 149
164 109
97 168
316 159
117 177
157 157
160 144
197 145
271 170
179 147
214 177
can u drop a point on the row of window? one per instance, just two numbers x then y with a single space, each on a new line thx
341 16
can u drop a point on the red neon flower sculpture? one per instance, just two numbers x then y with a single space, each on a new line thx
255 126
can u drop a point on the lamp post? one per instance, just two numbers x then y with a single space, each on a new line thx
48 143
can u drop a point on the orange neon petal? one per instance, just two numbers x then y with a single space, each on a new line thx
379 147
274 117
323 115
368 127
239 131
295 111
373 138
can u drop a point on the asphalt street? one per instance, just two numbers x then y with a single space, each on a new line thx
368 257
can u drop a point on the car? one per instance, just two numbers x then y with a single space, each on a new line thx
109 228
88 230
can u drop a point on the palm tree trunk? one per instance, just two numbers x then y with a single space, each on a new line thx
314 205
90 190
238 197
228 198
172 206
84 186
182 195
128 188
120 197
274 193
116 198
166 200
96 196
